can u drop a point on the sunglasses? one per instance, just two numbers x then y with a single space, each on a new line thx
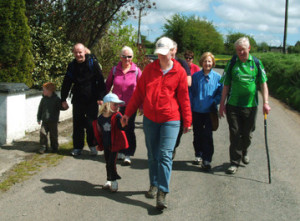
124 56
188 58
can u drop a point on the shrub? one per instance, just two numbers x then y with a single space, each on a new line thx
15 57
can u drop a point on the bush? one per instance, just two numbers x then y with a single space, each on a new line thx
52 53
283 71
15 57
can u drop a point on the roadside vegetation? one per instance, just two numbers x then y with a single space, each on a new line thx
32 165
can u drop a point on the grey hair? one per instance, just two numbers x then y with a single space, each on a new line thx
126 48
243 41
174 44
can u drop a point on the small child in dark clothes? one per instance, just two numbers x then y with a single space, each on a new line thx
110 136
48 113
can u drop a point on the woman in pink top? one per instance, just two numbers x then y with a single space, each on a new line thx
122 80
189 57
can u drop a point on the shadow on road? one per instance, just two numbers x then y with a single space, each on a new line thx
83 188
25 146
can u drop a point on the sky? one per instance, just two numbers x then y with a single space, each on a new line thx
261 19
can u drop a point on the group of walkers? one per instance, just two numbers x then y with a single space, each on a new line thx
173 94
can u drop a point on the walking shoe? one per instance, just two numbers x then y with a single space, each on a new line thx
121 156
127 161
107 185
43 150
94 151
232 169
246 159
197 161
76 152
151 193
206 165
161 200
114 186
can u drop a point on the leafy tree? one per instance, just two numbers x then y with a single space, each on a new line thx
231 39
51 55
294 49
15 57
263 47
85 21
193 33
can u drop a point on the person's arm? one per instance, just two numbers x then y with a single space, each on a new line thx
222 110
265 96
101 87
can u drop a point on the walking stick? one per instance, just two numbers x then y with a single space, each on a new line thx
267 149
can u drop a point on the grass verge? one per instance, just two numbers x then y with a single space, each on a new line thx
31 165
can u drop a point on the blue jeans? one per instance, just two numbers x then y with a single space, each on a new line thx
160 142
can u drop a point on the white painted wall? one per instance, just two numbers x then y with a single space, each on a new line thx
18 114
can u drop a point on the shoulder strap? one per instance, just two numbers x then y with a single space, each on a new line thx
256 60
232 63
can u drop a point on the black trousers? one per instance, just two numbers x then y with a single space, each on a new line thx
51 128
83 116
130 134
111 169
241 121
203 136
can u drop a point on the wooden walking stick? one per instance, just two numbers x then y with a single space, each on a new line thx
267 148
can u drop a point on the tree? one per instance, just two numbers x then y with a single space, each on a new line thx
263 47
231 39
193 33
15 57
84 21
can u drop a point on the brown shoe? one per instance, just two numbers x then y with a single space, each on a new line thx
161 200
151 193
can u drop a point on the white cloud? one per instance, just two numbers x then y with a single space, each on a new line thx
258 17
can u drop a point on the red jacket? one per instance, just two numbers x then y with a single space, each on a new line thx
118 137
164 97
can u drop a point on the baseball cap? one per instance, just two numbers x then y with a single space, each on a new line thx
163 46
111 97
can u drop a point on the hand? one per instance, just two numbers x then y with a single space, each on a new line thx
39 122
65 105
99 102
141 112
222 110
186 129
124 120
266 108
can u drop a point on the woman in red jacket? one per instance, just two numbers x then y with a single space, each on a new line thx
163 91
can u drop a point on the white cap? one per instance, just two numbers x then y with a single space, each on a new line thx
163 46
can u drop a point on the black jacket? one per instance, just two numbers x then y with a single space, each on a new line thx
87 81
49 109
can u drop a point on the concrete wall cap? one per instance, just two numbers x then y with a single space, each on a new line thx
11 88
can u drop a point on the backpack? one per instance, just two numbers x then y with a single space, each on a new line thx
233 61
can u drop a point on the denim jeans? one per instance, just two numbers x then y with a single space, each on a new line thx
160 142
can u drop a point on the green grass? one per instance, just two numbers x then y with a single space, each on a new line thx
32 165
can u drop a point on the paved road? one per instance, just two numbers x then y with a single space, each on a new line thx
72 189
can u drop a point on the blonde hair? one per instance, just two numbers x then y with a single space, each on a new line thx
105 108
204 56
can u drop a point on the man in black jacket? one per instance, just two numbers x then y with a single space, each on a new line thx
85 77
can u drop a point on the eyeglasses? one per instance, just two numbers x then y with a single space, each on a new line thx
188 58
124 56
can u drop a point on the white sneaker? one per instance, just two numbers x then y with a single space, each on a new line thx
114 186
121 156
197 161
94 151
127 161
107 185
